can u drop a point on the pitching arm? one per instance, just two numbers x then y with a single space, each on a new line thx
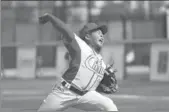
59 25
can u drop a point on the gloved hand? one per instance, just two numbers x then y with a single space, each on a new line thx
108 84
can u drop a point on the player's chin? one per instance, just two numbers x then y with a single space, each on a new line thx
99 44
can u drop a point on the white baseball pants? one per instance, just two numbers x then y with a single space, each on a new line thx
62 98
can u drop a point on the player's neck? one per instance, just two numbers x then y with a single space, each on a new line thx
95 49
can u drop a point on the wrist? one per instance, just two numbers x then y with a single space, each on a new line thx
48 16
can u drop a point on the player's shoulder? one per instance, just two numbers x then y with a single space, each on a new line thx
78 39
81 42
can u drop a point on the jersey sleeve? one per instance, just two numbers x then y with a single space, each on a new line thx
75 46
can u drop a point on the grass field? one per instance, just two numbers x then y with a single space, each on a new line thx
133 95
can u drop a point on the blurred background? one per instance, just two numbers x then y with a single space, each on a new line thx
137 41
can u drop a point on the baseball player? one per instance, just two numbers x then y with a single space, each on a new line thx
78 87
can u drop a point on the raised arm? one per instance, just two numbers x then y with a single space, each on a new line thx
58 24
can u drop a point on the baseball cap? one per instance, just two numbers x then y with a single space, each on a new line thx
90 27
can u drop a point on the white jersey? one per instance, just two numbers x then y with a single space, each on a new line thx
86 69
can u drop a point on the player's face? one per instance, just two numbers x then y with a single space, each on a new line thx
97 39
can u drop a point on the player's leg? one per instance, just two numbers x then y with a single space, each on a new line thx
51 103
94 101
58 100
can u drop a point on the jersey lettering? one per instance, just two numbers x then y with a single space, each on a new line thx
95 65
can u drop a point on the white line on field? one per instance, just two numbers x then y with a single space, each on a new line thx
30 94
127 97
140 97
16 98
22 92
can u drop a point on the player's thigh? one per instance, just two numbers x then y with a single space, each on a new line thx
58 100
106 103
51 103
86 106
94 101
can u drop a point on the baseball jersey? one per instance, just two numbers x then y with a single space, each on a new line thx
86 68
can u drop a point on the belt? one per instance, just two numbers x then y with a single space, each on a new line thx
73 89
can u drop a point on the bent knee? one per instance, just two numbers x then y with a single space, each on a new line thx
45 107
110 106
49 109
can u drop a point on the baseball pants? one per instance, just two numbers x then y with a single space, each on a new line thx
62 98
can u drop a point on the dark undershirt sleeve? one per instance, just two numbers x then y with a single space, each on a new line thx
73 47
68 36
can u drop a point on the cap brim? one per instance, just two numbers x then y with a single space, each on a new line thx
103 28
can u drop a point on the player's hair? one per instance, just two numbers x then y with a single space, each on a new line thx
82 34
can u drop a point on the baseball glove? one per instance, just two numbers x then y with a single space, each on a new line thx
108 84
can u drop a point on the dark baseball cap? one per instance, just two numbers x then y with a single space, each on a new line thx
90 27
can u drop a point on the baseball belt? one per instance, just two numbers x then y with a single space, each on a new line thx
73 89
